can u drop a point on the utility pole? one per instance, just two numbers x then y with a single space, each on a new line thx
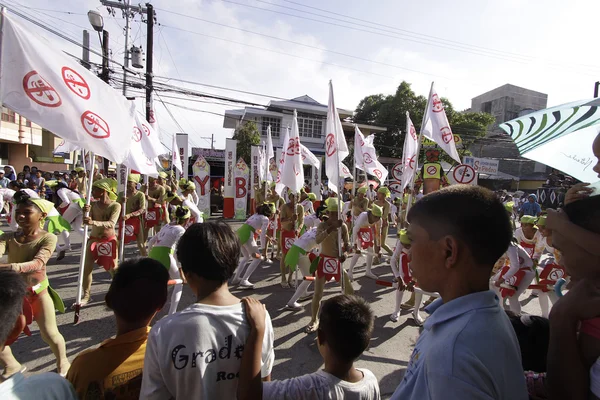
596 86
85 56
104 75
149 47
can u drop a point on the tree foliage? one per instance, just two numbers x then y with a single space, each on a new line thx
390 111
246 135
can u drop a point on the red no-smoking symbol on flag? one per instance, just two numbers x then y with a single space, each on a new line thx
76 83
378 173
411 162
395 187
95 126
146 130
137 134
437 103
397 171
367 158
464 174
330 145
40 91
447 136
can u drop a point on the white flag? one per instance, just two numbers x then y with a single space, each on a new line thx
345 171
137 159
270 152
336 148
53 90
64 147
436 126
365 157
150 140
409 153
175 160
292 174
308 157
278 184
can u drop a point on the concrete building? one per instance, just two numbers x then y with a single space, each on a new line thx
506 103
24 143
312 119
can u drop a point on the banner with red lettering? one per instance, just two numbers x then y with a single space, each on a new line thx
229 187
201 170
242 174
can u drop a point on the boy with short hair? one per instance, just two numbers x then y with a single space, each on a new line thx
468 348
196 353
344 333
137 292
46 386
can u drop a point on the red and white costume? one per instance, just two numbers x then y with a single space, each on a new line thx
517 273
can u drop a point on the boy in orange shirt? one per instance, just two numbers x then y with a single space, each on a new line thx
114 370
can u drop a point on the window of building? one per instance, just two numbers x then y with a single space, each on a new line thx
8 115
310 125
486 107
275 126
28 123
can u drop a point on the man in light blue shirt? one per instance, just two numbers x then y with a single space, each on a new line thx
468 349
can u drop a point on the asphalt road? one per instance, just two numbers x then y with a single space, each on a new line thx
295 352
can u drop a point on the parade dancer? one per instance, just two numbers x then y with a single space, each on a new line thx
162 248
527 235
250 251
188 190
103 216
401 270
135 207
298 257
382 227
363 238
155 197
29 249
275 225
174 200
330 261
306 201
292 221
6 199
71 208
360 203
514 278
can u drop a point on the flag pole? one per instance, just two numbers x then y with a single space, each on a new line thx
266 168
412 181
354 166
122 226
85 240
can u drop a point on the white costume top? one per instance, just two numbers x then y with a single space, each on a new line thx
346 208
308 207
194 210
308 240
362 221
32 194
6 195
311 221
168 236
67 196
258 221
518 258
520 236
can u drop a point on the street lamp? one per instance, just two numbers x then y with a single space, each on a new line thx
96 20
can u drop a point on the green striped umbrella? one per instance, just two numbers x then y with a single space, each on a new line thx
560 137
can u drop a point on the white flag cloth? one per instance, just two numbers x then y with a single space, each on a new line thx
137 159
54 91
278 184
409 153
150 141
292 172
436 126
365 157
175 160
309 158
65 147
270 151
336 148
345 171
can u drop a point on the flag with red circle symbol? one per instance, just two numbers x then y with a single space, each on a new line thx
436 126
137 159
151 144
409 153
336 148
51 89
365 157
291 171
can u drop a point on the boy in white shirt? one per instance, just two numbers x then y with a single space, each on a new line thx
196 353
344 333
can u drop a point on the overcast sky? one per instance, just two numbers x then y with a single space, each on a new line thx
467 47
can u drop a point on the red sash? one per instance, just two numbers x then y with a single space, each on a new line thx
528 247
366 237
132 228
105 252
515 281
329 267
551 274
153 216
405 268
62 210
287 240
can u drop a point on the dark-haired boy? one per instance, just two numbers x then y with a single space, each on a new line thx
196 353
137 292
468 348
47 386
344 333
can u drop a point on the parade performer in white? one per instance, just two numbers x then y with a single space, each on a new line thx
363 237
298 257
514 278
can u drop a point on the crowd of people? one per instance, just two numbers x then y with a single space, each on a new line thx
474 262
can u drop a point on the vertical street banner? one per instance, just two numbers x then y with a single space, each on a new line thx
242 174
229 189
255 176
201 170
182 145
315 182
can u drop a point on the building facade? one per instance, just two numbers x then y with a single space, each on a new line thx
506 103
23 142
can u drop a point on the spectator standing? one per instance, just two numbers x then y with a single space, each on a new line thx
9 173
4 181
531 207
